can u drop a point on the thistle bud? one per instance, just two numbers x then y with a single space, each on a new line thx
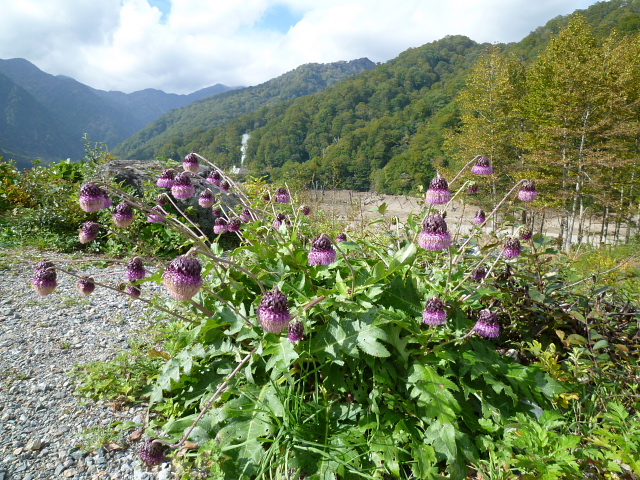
273 312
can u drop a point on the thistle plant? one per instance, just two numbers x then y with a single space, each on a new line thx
371 357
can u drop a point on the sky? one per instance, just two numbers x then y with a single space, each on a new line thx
180 46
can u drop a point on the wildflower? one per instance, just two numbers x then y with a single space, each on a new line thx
88 232
273 312
220 226
280 219
152 453
322 251
342 237
166 178
435 234
434 313
135 270
512 248
282 195
107 201
162 199
216 211
182 187
528 192
482 166
182 277
123 215
43 265
525 233
487 324
156 215
191 163
245 216
472 189
295 331
85 285
44 281
214 178
438 191
266 197
206 198
225 186
480 217
305 209
92 197
234 224
479 273
133 290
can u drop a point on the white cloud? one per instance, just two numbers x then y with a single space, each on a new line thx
127 45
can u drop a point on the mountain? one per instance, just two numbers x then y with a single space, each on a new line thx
214 111
75 109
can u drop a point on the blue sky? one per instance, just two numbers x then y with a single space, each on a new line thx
180 46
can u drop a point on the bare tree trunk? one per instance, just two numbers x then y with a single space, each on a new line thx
603 228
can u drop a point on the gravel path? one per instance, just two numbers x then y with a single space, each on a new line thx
41 338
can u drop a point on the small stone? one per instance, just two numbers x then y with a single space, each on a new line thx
18 451
69 473
35 444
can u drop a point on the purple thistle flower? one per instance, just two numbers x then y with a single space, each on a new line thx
214 178
135 270
273 312
482 166
234 224
162 199
182 187
282 195
92 197
182 278
280 219
123 215
216 211
487 324
191 163
512 248
245 216
220 226
225 186
526 233
479 273
479 218
438 191
434 313
133 290
322 251
295 331
107 201
85 285
206 198
43 264
166 178
44 281
528 192
435 234
88 232
342 237
472 189
266 197
305 209
152 453
156 215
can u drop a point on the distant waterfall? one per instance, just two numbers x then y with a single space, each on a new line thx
243 148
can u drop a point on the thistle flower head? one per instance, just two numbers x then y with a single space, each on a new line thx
156 215
92 197
133 290
512 248
280 219
322 251
282 195
472 189
528 192
435 234
135 270
245 216
214 178
85 285
220 226
191 163
152 453
434 313
225 186
123 215
295 331
234 225
88 232
44 281
482 166
43 264
206 198
342 237
526 233
305 209
487 324
273 312
166 178
480 217
162 199
479 273
182 187
266 197
438 191
216 211
182 278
